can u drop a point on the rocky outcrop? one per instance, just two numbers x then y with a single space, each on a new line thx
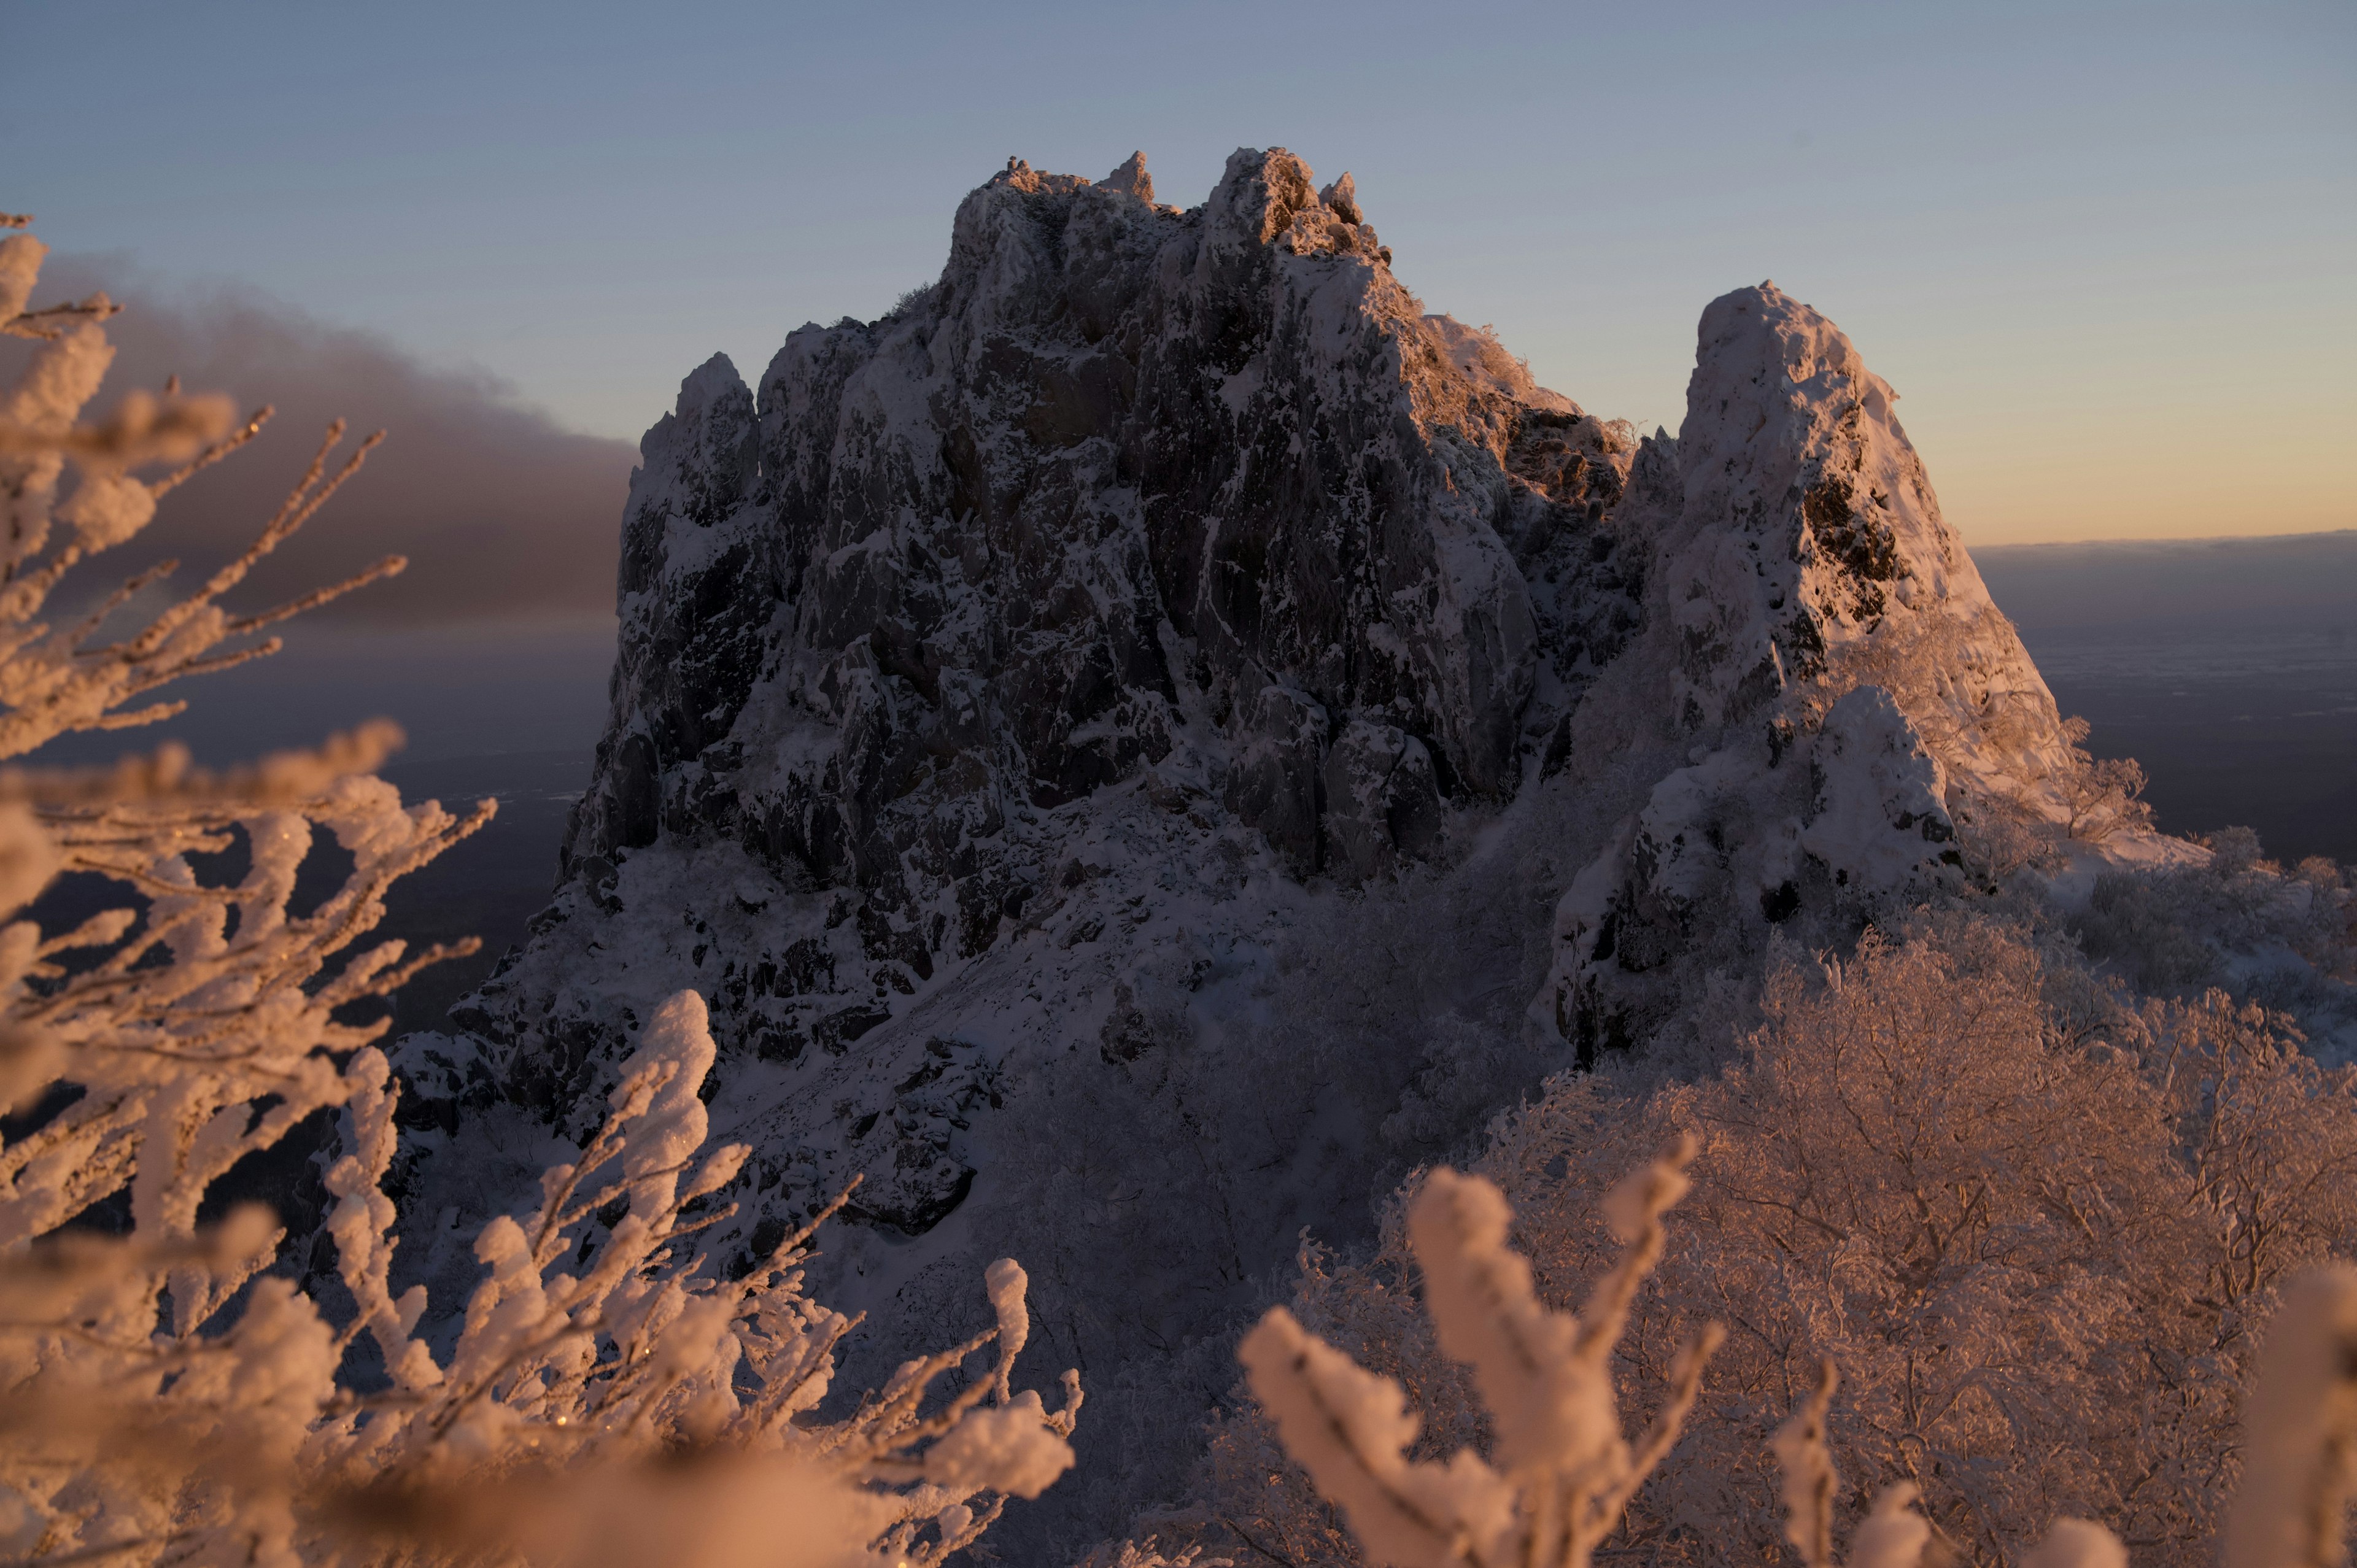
1113 437
1848 691
1159 731
1195 523
1124 473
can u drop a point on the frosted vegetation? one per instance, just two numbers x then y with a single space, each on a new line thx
175 1386
2010 1231
2042 1235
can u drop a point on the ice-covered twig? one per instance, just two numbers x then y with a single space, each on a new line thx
164 781
1806 1461
1007 1282
1351 1429
1565 1472
2299 1442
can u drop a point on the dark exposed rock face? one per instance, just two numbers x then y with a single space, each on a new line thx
974 539
1382 800
697 625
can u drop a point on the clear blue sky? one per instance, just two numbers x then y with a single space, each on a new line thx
2106 252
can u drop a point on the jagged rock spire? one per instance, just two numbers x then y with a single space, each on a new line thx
1848 689
1131 179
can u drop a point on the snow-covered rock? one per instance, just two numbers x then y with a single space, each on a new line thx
1161 731
1819 636
1201 495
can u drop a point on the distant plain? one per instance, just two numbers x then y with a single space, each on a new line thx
2227 667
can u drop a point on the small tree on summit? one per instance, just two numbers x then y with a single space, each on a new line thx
2104 794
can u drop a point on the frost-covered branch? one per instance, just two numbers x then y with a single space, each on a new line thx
1806 1461
2300 1453
574 1371
633 1410
57 680
169 1393
1564 1471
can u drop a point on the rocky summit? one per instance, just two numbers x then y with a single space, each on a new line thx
1158 734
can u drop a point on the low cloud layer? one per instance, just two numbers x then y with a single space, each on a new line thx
2300 585
504 517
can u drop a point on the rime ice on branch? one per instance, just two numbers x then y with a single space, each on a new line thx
2300 1431
1564 1471
162 1397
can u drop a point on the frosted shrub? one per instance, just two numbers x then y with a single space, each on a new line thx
167 1393
1893 1534
629 1410
2042 1248
2189 926
2299 1475
1563 1472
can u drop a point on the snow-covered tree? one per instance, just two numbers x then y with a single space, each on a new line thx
168 1394
2103 795
2042 1235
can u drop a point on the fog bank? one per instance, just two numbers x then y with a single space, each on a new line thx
505 517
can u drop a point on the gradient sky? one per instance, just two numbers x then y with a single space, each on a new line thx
2106 252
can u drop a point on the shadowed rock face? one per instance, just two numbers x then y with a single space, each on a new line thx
973 556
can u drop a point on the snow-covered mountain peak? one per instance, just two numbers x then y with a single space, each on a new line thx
1159 713
1130 178
1808 527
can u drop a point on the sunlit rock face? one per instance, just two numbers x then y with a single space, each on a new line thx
1158 734
1819 633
